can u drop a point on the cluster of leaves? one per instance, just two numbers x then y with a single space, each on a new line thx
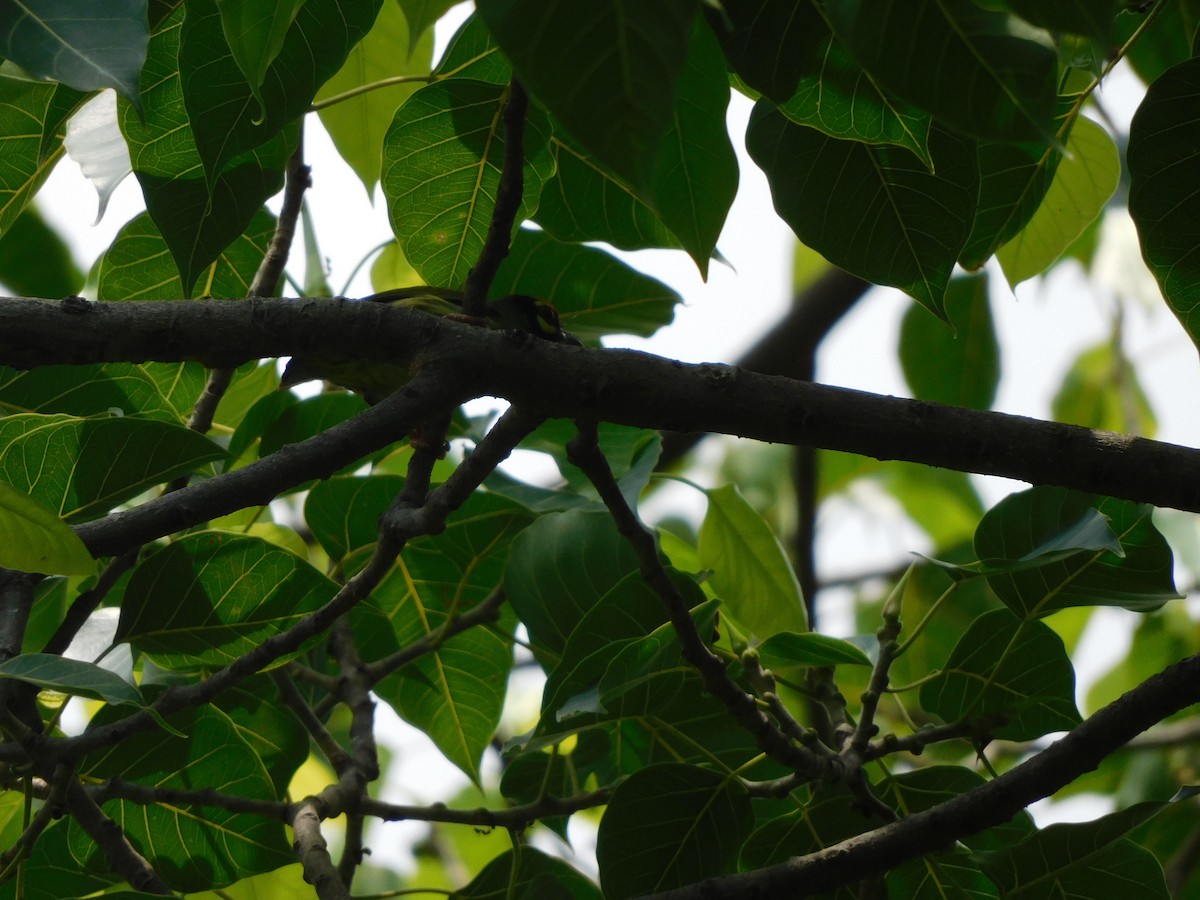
900 140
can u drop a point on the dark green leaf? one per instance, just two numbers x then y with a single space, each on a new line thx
473 54
421 15
254 31
619 105
874 211
1162 170
226 118
198 216
1013 179
836 96
671 825
1084 859
696 174
137 265
537 876
71 676
1165 42
766 41
1027 527
1013 675
442 158
1093 18
28 238
197 847
559 569
956 361
85 45
227 594
584 202
91 390
343 513
596 294
31 116
967 65
456 693
81 468
790 650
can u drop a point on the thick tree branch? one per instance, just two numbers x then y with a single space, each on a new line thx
620 386
989 804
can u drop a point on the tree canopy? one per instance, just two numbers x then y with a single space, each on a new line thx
228 579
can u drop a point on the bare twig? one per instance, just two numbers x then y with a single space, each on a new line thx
991 803
508 204
120 855
584 452
516 817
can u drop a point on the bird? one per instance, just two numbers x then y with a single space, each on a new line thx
374 381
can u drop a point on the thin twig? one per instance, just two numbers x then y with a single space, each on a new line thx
508 203
584 452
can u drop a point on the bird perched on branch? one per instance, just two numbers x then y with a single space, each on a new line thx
376 380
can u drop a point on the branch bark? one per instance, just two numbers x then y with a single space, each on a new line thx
620 386
989 804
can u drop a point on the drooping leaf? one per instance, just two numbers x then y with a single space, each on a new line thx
1013 179
750 570
559 569
670 825
49 671
1083 183
254 31
456 693
1013 675
766 41
358 124
874 211
595 293
617 107
421 16
695 175
442 159
956 361
81 468
34 539
973 68
228 120
1161 171
198 217
84 45
228 593
836 96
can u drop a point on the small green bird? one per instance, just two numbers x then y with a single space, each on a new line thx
376 380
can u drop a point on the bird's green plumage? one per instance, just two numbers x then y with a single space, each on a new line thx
375 380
